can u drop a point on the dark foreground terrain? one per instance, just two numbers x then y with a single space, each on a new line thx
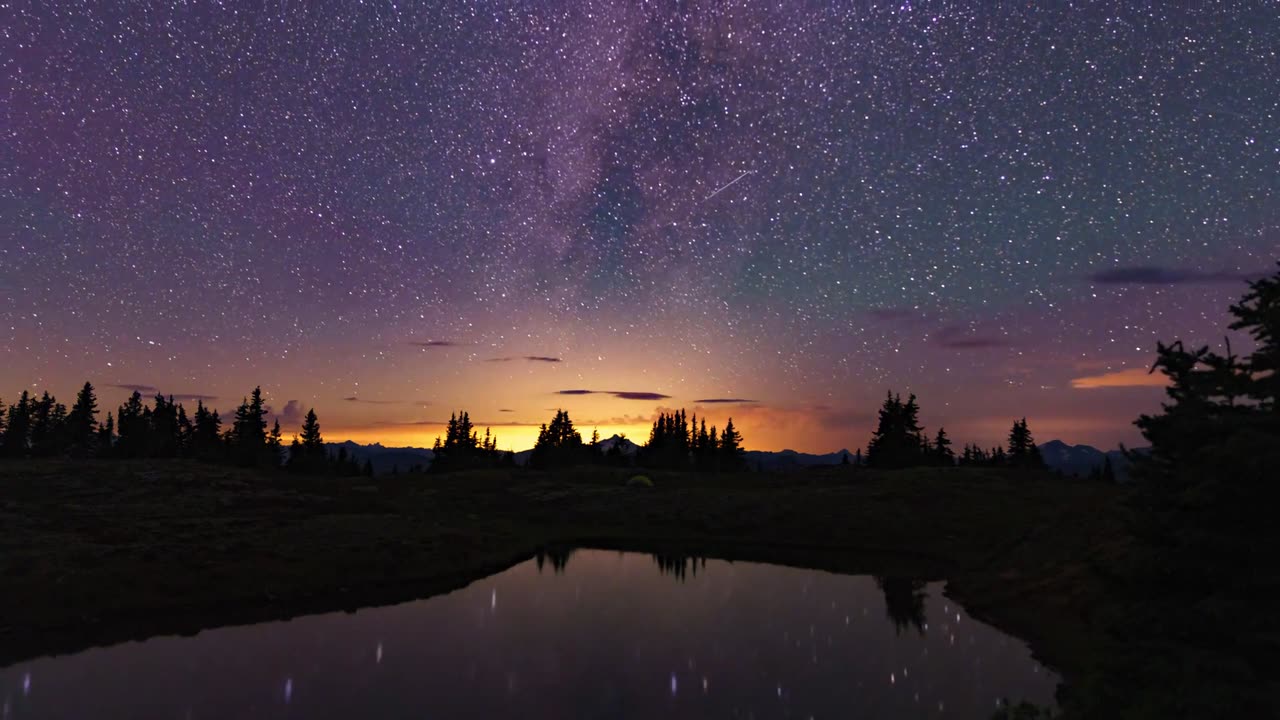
98 553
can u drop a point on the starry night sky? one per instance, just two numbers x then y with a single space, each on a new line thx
388 210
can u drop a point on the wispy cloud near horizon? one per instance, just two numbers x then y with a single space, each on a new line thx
1158 275
425 344
1132 377
620 394
530 358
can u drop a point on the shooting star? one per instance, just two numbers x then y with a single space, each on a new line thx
724 187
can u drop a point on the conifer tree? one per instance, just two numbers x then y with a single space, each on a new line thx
206 434
898 440
184 432
732 456
132 427
107 437
82 423
559 444
43 426
942 452
311 437
274 445
1108 472
17 431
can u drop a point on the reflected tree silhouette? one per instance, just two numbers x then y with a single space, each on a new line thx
679 566
904 602
557 556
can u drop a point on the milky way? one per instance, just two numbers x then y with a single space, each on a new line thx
995 205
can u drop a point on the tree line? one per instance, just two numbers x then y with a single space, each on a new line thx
899 441
43 427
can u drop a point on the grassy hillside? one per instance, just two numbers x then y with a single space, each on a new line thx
98 553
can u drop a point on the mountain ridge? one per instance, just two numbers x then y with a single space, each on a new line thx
1072 460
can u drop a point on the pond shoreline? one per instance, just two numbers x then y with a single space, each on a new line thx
102 553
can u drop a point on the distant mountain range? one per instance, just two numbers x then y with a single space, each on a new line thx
385 459
1068 459
1081 459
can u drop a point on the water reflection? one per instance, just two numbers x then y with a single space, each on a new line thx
904 602
679 566
557 556
602 636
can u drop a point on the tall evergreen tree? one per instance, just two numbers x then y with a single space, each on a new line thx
942 452
732 457
17 432
559 444
898 440
133 428
107 437
462 447
82 423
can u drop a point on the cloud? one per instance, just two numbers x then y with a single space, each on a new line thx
628 395
292 413
530 358
354 399
194 397
505 410
960 338
1133 377
973 343
143 389
436 343
1156 275
620 394
724 401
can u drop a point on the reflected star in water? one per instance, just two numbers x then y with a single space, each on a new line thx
674 684
288 689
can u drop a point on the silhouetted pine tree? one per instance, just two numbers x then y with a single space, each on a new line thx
898 440
206 434
558 445
462 448
17 432
133 428
107 437
46 428
942 452
275 445
184 431
1022 447
670 443
249 431
732 457
163 433
82 423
